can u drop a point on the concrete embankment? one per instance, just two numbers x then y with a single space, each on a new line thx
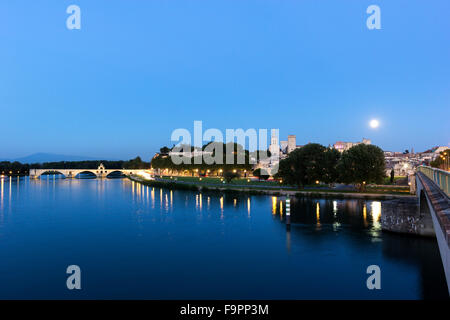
269 191
404 216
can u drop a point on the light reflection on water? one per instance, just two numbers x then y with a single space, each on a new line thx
165 237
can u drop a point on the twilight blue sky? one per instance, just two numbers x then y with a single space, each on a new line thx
139 69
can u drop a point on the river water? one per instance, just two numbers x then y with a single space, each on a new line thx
136 242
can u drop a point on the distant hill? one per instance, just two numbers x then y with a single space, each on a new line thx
50 157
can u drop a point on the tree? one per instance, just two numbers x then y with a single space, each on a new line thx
230 175
392 175
258 173
164 150
201 163
330 163
308 164
135 163
362 164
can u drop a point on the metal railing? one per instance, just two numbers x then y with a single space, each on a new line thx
440 177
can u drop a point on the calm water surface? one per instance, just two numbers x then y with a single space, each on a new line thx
133 241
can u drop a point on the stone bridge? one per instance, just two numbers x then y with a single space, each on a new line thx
100 172
433 194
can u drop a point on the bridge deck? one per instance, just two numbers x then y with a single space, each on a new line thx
440 202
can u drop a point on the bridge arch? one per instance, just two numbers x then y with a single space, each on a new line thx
113 172
423 203
52 171
91 173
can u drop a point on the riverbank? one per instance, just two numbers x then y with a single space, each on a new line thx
268 190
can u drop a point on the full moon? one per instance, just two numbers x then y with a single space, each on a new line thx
374 123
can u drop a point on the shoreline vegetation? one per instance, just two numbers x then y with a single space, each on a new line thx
17 169
312 170
269 189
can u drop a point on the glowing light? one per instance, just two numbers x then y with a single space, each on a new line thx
274 205
376 210
152 194
365 214
318 214
374 123
144 174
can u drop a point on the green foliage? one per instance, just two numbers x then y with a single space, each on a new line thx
392 176
13 168
135 163
19 168
219 150
308 164
362 164
230 175
330 162
314 162
258 173
164 150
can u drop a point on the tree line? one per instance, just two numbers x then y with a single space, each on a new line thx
220 153
361 164
17 168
